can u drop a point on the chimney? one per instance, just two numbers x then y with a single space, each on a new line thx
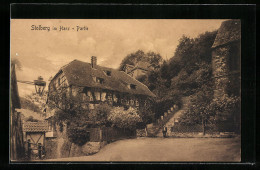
93 61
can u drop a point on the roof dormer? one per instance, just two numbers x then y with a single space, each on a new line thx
107 72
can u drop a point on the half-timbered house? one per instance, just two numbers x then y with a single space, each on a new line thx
96 84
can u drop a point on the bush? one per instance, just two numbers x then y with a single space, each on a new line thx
219 112
226 107
27 104
31 119
164 105
100 113
147 115
78 134
125 119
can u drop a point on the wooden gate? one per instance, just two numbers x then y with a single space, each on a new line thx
35 137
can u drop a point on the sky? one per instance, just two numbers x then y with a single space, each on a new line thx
43 52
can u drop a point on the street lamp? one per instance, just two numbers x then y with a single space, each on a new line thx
39 85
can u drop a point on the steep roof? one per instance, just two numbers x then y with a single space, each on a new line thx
140 65
229 31
80 73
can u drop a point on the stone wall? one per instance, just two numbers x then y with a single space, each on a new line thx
220 70
61 147
227 81
51 148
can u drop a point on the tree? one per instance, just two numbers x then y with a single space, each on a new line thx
132 58
154 59
34 102
204 109
199 111
74 112
16 62
188 72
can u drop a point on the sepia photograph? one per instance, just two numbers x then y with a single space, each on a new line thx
125 90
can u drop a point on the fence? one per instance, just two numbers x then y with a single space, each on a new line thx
34 151
109 134
187 128
112 134
209 128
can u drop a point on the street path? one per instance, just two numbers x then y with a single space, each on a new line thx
167 149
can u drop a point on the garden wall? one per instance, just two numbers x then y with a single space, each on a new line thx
61 147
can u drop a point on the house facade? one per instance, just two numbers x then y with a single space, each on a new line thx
95 84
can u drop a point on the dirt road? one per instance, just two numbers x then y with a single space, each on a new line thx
169 149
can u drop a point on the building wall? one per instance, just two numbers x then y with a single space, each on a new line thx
220 70
94 96
58 82
226 76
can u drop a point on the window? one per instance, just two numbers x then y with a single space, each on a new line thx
97 95
100 80
136 103
115 98
107 72
109 98
90 96
131 102
145 103
103 96
84 96
58 81
132 86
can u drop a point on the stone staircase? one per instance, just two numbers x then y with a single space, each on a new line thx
154 128
168 119
175 117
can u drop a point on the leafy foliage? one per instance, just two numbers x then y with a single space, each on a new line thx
31 119
28 104
226 107
198 110
151 57
74 112
207 110
100 113
126 119
187 73
147 115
